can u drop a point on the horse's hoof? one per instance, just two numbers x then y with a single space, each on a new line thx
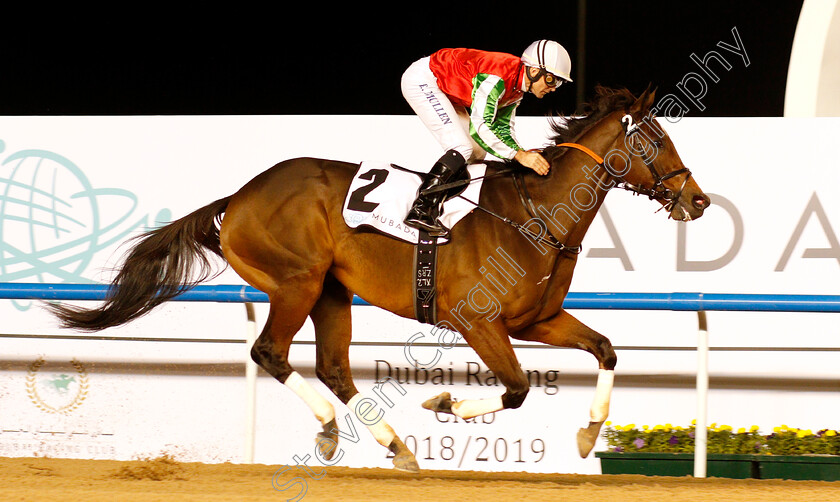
403 458
406 463
441 403
586 438
328 448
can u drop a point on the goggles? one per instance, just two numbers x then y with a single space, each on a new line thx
552 80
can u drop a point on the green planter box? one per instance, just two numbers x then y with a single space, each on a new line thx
813 467
820 467
676 464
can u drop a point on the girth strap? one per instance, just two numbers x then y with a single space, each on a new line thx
425 291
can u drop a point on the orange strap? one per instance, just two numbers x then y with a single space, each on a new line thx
597 158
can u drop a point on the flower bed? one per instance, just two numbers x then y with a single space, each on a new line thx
665 450
722 439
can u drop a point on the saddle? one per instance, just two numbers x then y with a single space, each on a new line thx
381 194
379 197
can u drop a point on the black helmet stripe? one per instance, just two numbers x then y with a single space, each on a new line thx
541 52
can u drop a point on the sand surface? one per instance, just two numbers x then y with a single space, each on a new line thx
164 479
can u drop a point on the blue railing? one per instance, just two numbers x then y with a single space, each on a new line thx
694 302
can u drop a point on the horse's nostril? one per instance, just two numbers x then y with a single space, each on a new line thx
701 201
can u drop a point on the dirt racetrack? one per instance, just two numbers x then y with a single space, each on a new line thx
163 479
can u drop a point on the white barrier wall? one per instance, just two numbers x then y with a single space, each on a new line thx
73 188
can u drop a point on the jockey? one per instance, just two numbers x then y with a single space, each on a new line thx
467 99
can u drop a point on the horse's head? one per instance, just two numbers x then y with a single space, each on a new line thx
655 168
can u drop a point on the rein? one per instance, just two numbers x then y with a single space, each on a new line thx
549 241
524 197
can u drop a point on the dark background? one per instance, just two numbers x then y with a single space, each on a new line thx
319 59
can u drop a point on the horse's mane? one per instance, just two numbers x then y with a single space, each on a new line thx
606 101
568 130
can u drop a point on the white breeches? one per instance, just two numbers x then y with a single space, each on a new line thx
448 123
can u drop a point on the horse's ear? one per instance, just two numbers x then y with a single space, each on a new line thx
645 101
651 95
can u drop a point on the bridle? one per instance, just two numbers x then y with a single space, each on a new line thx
658 190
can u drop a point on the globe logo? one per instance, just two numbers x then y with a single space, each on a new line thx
53 221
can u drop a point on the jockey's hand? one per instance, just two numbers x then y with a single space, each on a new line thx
532 160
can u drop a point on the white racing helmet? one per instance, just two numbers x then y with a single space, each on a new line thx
550 56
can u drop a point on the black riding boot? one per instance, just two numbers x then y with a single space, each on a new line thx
426 209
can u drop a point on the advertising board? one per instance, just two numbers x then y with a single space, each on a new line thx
76 189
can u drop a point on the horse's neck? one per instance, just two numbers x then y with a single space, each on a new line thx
569 198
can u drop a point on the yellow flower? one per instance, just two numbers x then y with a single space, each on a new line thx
754 428
694 422
645 427
741 430
830 433
629 427
658 428
608 423
803 433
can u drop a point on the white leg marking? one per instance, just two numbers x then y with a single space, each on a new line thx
322 408
601 404
470 408
364 409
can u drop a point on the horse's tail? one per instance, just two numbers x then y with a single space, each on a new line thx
165 262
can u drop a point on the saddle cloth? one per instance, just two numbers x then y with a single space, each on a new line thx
380 196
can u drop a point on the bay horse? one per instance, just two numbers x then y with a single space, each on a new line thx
284 234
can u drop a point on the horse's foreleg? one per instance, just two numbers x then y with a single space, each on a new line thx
563 330
331 318
493 346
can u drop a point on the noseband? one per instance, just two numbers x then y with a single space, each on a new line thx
658 190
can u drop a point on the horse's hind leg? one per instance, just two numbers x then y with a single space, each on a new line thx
289 307
563 330
331 318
